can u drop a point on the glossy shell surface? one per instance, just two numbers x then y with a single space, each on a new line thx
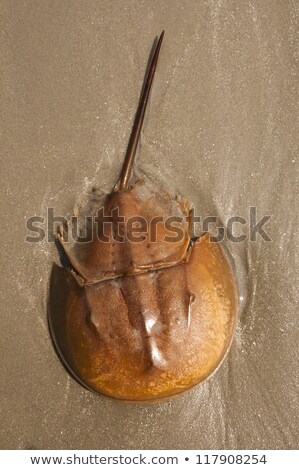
149 333
146 316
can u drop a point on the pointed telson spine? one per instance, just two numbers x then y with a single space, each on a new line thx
126 171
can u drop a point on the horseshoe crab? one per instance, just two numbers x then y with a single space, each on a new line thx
142 317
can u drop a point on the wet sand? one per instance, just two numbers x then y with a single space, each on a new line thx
221 129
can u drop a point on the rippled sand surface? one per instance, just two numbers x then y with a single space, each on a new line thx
222 129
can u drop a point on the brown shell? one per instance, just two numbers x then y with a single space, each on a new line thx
156 246
153 334
142 320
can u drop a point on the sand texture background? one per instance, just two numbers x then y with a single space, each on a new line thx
221 129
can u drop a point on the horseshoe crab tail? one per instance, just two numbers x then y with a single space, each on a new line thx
137 126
